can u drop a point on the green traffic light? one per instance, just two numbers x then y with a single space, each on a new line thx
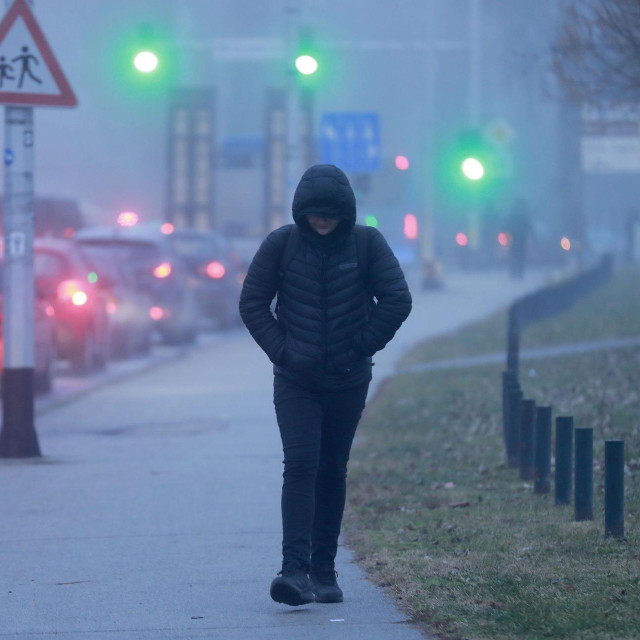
307 65
371 221
472 168
469 171
145 61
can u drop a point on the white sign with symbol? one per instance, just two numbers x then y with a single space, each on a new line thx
29 72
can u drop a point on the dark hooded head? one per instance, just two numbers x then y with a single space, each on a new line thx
324 190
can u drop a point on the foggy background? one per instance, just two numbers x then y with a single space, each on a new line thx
110 153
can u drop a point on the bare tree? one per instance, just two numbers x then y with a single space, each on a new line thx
596 55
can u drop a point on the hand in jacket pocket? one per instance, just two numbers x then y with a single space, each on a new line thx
342 363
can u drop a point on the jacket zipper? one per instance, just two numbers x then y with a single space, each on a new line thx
324 311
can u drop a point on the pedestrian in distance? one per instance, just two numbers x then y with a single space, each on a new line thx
340 297
518 224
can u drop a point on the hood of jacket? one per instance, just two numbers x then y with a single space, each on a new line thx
324 190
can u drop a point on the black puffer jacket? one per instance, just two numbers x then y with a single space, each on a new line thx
328 324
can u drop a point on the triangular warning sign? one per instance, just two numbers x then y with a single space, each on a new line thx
29 72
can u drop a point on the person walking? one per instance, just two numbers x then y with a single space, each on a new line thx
341 296
518 224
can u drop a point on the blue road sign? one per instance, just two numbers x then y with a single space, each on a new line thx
9 157
351 141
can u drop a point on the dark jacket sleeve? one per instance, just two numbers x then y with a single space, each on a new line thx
259 288
393 301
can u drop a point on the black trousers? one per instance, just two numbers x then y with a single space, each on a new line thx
317 429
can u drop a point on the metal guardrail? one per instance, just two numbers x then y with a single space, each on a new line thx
528 427
548 302
532 308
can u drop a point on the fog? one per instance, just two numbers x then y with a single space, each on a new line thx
110 153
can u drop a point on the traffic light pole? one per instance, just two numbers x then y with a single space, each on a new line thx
18 437
429 267
474 105
293 104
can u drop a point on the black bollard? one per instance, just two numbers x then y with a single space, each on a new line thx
614 488
515 398
564 459
507 383
527 438
584 475
542 470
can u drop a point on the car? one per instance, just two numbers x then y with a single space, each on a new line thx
158 272
44 339
128 307
68 283
218 272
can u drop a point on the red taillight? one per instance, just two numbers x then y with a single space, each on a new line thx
50 311
156 313
162 270
215 270
112 307
71 291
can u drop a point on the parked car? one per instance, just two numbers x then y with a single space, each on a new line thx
158 272
68 282
128 307
217 270
44 338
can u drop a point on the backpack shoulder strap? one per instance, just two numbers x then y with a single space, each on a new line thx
363 240
289 250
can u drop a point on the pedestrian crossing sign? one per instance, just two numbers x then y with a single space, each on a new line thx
29 72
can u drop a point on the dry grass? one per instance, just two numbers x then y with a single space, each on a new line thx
436 516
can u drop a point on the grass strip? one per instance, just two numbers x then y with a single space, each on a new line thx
435 515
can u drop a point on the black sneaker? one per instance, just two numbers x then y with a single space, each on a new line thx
292 587
325 585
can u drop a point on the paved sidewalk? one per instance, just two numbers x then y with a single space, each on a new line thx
154 513
536 353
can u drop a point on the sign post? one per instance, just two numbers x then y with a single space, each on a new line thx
29 75
18 437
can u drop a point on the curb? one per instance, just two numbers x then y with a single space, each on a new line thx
108 377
